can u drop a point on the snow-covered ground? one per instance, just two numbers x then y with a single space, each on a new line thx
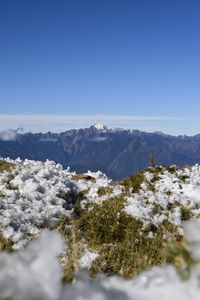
35 195
35 273
173 192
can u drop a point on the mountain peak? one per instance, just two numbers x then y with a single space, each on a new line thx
99 126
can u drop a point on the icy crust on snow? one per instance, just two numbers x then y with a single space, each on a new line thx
173 192
36 195
35 273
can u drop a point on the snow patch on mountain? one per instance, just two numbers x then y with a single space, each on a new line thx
100 126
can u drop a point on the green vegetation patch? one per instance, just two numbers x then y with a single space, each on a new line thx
133 182
186 213
121 241
2 194
5 244
83 177
171 169
102 191
125 247
178 254
156 170
5 166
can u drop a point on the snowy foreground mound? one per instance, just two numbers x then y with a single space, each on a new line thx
36 195
98 226
35 273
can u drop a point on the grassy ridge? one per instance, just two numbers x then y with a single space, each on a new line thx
122 242
124 245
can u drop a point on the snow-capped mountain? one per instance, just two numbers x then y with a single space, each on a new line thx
116 152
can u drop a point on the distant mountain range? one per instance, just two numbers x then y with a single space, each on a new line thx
117 152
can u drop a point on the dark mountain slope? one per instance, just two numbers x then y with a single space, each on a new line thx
118 153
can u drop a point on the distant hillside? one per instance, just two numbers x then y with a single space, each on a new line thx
116 152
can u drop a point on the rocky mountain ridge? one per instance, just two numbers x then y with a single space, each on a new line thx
116 152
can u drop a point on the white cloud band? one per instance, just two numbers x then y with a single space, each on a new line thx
58 123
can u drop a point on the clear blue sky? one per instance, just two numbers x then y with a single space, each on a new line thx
101 57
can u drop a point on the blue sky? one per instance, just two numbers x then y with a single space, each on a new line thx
138 60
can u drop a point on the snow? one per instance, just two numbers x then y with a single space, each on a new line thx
192 231
172 192
87 259
34 273
100 126
158 283
101 180
31 198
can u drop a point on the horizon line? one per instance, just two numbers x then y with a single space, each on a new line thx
173 125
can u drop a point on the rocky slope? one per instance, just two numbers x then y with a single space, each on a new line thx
116 152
